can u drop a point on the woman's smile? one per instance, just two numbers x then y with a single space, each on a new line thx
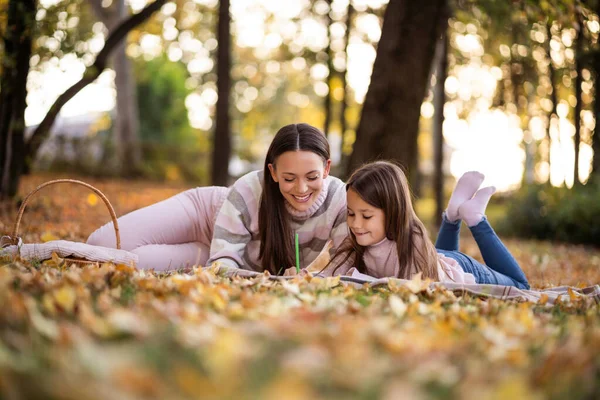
302 199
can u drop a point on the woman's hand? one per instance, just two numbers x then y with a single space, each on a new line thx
322 259
291 271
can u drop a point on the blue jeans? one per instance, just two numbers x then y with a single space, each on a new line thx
501 268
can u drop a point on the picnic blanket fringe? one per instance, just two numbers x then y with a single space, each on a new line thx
548 296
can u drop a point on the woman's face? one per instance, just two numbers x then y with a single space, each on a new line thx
300 177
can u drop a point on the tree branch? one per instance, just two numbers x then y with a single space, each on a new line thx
91 73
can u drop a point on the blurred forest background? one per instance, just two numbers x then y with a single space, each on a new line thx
193 91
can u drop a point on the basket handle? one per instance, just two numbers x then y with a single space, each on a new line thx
15 238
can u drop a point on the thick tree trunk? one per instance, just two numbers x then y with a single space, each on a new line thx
127 124
578 96
13 84
389 123
127 120
126 127
222 137
439 101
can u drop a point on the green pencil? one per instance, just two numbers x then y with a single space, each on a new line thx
297 255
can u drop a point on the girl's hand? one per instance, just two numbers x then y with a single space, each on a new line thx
314 267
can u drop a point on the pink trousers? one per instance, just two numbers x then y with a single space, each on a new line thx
171 234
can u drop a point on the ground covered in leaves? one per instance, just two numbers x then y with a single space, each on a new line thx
113 332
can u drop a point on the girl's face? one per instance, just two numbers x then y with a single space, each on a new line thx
366 222
300 177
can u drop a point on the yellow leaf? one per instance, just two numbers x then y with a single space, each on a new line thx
228 349
218 302
125 268
543 299
325 283
92 199
332 281
48 236
394 284
65 297
417 284
572 295
48 304
55 261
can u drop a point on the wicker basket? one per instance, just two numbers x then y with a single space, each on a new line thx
15 239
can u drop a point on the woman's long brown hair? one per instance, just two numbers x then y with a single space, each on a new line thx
383 185
276 237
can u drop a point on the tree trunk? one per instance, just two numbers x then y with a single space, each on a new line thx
389 123
578 95
346 98
595 174
13 83
516 80
126 129
552 116
331 72
438 122
222 138
518 76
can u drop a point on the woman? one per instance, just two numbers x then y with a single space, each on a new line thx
253 224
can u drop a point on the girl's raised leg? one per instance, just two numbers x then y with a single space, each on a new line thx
494 252
448 235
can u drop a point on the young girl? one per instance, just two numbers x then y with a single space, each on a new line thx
253 224
388 239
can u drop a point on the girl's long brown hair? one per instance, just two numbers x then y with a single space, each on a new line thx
383 185
276 237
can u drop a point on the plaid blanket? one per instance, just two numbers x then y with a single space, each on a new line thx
545 296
